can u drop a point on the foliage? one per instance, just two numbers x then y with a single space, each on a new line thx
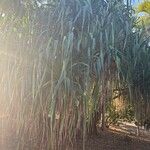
128 114
144 8
114 116
63 62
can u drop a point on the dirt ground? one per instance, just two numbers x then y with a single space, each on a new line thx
121 137
112 140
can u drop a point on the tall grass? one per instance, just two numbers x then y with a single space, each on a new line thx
60 65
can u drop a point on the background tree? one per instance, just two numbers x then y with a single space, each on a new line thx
144 10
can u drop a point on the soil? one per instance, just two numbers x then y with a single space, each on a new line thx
112 140
121 137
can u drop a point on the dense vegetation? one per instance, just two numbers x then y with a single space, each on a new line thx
64 62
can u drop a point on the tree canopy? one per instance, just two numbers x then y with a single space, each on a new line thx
64 62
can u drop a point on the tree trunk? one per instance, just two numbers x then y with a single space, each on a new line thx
103 107
93 126
103 114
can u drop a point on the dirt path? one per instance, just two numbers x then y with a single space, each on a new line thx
122 137
116 138
112 140
131 130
